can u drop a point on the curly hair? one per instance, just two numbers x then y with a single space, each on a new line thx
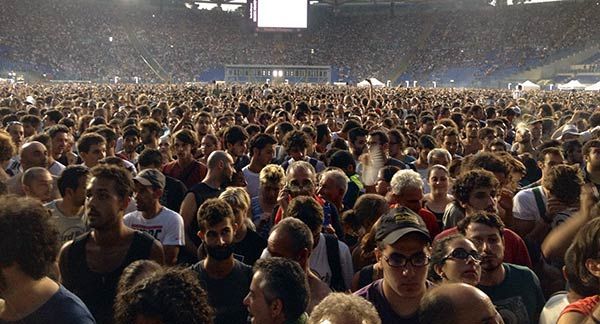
186 136
296 140
486 161
467 182
564 182
171 296
136 272
272 174
27 236
283 279
120 176
344 308
212 212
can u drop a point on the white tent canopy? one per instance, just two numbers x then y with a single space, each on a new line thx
571 85
528 85
594 87
376 83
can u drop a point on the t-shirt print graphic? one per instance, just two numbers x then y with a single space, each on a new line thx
512 310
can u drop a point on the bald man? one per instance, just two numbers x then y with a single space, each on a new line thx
38 183
440 305
33 154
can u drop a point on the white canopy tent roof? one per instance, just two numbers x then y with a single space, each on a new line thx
528 85
571 85
594 87
376 83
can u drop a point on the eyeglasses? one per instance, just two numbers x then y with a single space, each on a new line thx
295 186
396 260
464 255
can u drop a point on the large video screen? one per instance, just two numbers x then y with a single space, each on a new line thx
282 13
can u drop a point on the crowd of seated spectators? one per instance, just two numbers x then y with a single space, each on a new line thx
98 40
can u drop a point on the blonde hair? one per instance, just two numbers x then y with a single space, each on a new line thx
236 197
272 174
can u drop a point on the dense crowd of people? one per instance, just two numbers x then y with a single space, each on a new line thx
98 40
298 204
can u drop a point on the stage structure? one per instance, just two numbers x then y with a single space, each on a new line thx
278 74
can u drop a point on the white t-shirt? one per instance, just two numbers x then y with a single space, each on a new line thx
68 227
167 226
554 306
525 206
56 168
252 181
319 264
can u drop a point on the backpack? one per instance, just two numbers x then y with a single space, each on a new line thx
333 258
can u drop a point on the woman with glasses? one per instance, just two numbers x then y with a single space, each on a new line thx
455 259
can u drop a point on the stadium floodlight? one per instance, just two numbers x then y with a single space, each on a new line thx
110 39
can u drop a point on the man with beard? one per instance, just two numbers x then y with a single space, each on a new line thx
151 217
131 140
219 175
225 279
514 289
150 134
91 265
357 142
450 142
28 248
475 191
591 155
59 135
471 142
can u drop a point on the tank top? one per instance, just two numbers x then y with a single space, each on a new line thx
98 290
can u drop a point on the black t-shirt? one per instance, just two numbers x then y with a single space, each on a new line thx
227 295
250 248
173 194
202 192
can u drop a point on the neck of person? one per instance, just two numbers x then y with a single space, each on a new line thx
68 208
594 175
111 236
212 179
438 195
153 144
185 160
492 278
254 166
241 232
472 140
267 207
218 269
402 306
152 211
24 295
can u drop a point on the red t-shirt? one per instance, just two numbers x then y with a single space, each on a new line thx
584 306
515 250
191 175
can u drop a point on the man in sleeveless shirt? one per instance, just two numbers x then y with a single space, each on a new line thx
91 265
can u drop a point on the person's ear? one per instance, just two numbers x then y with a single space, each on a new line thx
378 254
438 270
276 308
201 235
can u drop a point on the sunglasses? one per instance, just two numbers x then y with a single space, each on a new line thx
396 260
462 254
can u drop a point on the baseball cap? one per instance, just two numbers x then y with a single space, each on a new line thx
151 177
397 223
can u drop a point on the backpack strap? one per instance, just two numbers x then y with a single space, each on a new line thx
539 201
333 258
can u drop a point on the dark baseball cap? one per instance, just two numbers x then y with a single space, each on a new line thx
399 222
151 177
